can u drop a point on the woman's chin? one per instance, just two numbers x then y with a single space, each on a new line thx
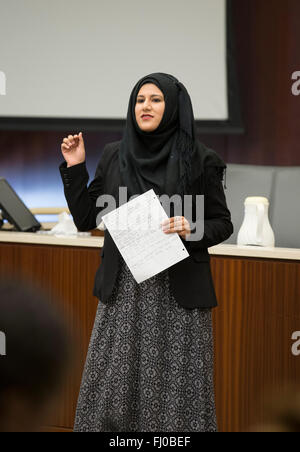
147 127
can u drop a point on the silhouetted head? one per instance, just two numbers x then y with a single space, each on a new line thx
35 349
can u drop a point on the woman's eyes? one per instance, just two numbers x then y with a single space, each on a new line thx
142 100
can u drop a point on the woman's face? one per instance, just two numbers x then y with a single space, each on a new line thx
149 107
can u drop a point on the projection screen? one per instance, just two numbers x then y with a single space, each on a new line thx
74 62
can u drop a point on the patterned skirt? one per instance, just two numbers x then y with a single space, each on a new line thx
149 366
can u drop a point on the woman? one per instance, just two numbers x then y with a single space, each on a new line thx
150 360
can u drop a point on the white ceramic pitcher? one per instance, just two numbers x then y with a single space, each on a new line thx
256 228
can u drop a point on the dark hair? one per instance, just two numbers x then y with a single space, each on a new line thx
37 344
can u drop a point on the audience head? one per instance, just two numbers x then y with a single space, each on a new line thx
35 350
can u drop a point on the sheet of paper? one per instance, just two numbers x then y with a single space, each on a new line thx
136 231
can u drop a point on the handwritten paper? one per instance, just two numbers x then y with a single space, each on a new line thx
136 230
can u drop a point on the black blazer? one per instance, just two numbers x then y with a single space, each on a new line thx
190 279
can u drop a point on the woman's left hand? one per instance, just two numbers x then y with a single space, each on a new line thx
180 225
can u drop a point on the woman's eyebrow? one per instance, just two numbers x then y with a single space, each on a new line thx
152 95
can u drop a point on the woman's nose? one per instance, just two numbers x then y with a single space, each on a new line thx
147 104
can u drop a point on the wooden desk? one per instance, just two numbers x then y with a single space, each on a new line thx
259 295
258 292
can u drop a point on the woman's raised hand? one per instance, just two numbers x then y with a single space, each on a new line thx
73 150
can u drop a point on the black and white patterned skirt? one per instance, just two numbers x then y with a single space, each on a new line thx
149 366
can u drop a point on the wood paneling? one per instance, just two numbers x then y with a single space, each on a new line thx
67 274
267 35
257 314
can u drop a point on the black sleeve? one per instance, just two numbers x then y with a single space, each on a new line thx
81 199
217 218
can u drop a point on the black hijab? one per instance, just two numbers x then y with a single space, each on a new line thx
161 159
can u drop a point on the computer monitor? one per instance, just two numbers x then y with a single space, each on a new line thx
14 210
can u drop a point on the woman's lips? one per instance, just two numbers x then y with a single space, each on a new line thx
146 117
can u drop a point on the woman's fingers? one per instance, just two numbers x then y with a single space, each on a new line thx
71 140
66 143
176 224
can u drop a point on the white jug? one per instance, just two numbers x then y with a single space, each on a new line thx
256 228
